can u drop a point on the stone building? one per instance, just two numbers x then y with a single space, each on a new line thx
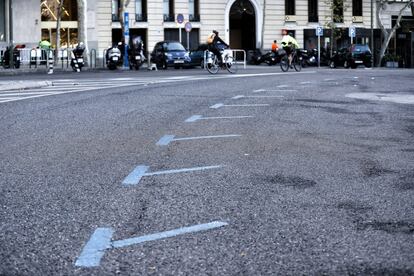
245 24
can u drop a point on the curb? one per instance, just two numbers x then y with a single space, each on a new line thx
22 85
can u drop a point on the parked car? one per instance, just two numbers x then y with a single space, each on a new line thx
197 55
353 56
170 54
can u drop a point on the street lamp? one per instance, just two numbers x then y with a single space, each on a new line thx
10 35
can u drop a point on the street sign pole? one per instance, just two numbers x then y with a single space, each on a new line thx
180 20
319 51
188 28
126 35
319 33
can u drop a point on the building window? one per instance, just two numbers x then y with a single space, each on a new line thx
141 10
115 10
356 7
193 10
338 11
2 20
49 10
290 7
168 11
313 11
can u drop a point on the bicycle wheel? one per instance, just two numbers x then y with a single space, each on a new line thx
213 67
297 63
284 63
231 64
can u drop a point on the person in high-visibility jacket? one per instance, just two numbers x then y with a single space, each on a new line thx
289 44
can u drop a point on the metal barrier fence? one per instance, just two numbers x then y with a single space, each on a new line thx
235 55
36 57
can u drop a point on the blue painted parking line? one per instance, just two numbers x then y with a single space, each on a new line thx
167 139
100 241
140 171
195 118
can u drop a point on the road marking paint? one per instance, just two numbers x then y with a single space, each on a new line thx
283 85
217 106
165 140
305 82
100 241
193 118
199 117
274 90
266 96
140 171
135 176
395 98
184 170
95 248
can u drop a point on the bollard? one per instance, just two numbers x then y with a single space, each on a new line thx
50 61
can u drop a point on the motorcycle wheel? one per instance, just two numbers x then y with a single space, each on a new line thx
284 63
332 64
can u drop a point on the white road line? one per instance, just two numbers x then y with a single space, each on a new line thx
243 96
217 106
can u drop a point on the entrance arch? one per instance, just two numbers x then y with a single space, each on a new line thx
243 24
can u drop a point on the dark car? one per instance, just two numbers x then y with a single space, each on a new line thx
352 57
170 54
197 55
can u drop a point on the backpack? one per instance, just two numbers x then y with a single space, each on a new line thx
210 38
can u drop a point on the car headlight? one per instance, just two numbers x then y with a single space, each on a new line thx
168 55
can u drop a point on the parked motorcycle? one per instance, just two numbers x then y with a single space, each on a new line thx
76 61
270 58
136 54
16 57
312 59
114 57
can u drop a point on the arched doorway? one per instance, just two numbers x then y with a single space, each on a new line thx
242 25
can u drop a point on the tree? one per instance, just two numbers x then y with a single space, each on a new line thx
58 19
82 25
388 34
337 9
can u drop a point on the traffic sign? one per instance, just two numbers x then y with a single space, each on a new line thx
352 31
180 18
188 27
319 31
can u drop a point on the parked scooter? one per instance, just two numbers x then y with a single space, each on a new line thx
114 57
136 53
270 58
77 57
16 57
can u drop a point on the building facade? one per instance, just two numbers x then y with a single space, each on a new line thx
244 24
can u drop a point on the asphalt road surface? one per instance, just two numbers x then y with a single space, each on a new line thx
185 173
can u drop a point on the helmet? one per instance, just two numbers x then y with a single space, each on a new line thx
290 34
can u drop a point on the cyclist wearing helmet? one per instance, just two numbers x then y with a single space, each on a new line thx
212 42
289 44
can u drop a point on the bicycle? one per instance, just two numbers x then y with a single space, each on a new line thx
213 66
296 62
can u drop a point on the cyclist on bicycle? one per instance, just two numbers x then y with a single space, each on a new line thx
212 41
289 44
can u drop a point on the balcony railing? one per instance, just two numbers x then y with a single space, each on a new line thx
115 18
141 17
169 18
194 17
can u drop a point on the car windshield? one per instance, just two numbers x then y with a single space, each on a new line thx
361 48
174 46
